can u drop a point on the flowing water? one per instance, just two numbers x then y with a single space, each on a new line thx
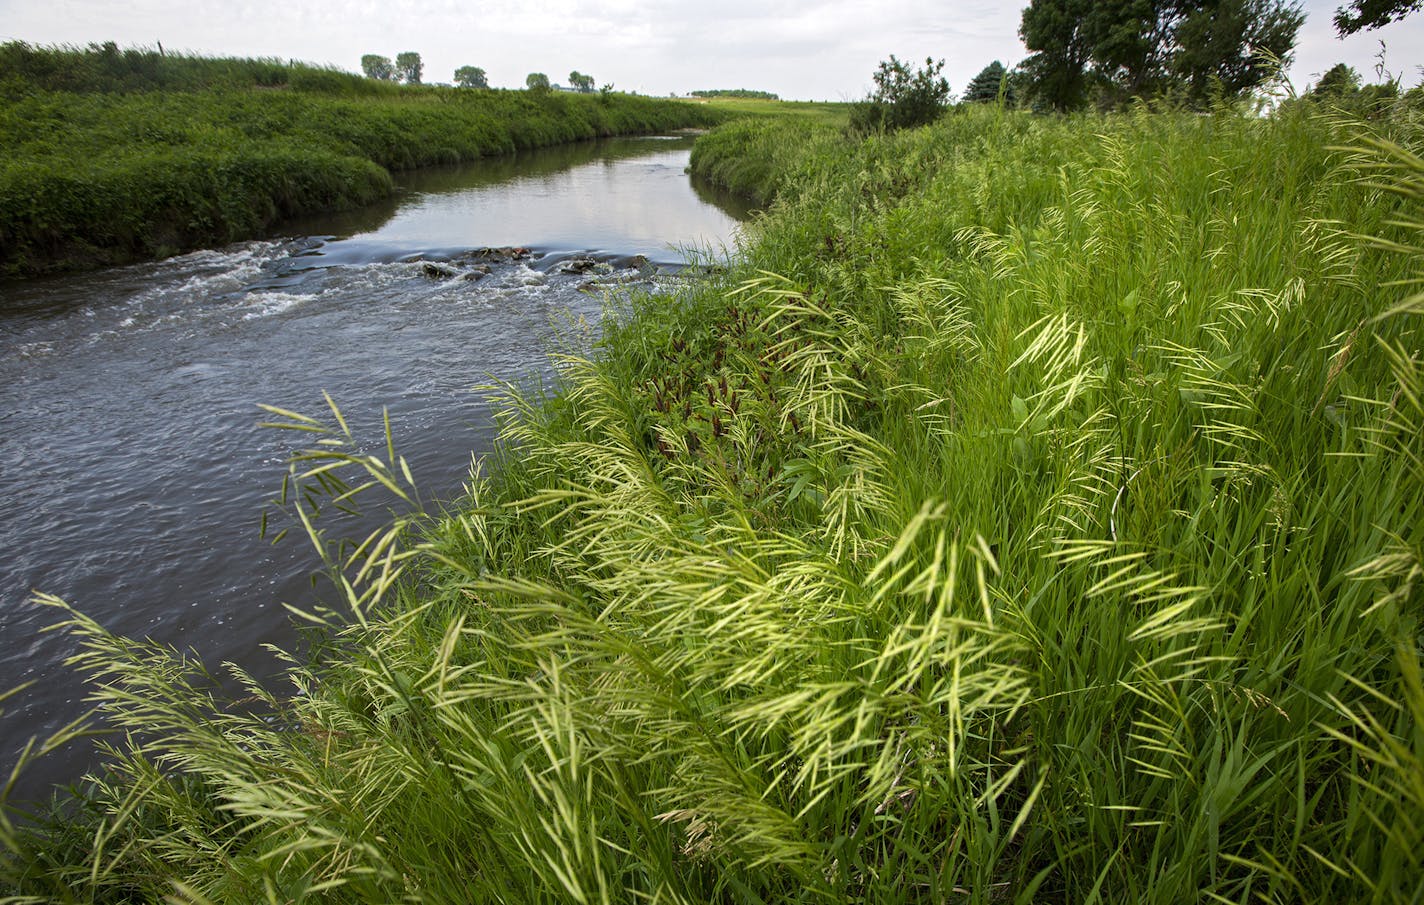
133 472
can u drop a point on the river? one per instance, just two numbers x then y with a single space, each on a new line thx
132 468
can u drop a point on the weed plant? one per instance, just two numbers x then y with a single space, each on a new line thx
1033 515
176 153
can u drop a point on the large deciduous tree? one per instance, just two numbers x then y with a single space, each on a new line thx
580 81
1232 45
1360 15
537 81
471 77
409 67
1143 48
378 67
1054 30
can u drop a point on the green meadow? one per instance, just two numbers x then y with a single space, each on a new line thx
833 113
109 156
1032 512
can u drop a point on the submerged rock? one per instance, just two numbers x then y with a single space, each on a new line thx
438 271
513 253
577 265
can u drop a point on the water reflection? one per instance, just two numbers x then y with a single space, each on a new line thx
628 195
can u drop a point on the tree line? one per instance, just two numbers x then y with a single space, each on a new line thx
737 92
407 68
1108 53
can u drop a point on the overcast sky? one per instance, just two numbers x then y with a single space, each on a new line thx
796 48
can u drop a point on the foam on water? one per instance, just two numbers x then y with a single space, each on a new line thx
266 304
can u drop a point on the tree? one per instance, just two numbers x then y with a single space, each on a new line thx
986 87
1144 48
1056 70
1361 15
902 98
1338 81
537 81
409 67
471 77
580 81
1230 45
378 67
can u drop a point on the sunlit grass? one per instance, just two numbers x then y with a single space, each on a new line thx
1034 515
831 113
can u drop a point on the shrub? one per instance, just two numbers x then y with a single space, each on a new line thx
902 98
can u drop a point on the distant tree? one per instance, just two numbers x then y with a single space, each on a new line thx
988 85
537 81
903 98
378 67
471 77
737 92
580 81
1338 81
409 67
1361 15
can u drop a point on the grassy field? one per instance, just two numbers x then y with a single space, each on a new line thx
828 112
1034 514
117 156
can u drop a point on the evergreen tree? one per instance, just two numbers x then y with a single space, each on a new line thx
991 82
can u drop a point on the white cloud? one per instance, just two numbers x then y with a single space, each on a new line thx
798 49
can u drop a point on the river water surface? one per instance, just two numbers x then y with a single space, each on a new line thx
133 473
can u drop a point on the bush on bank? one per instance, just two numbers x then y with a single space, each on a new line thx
1034 514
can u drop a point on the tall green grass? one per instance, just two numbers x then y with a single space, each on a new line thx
106 68
1034 515
212 151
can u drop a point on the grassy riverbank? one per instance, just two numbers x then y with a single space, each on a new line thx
111 157
1036 514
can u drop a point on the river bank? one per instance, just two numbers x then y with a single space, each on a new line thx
1034 513
411 309
96 172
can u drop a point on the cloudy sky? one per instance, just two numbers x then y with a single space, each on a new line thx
796 48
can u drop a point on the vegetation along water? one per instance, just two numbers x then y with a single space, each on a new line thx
109 156
1031 512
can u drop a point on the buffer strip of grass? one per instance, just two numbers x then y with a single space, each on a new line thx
1033 515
